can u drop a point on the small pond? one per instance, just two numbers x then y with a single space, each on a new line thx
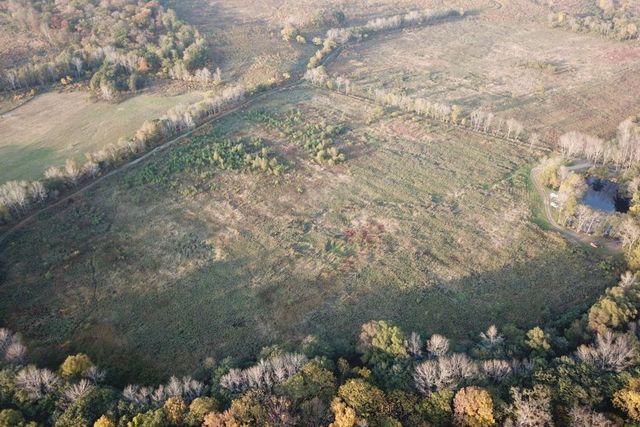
605 196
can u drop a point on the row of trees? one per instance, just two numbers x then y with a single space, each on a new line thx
584 371
336 37
616 25
116 43
19 197
624 150
478 120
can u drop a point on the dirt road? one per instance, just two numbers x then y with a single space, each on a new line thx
608 245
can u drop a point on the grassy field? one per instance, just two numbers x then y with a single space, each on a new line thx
509 62
57 126
424 225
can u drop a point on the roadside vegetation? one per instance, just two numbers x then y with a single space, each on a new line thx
18 198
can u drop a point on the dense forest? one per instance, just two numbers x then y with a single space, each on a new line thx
117 45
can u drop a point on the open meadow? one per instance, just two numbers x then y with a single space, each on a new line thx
424 225
56 126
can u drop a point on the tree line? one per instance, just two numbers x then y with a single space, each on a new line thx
117 45
478 120
336 37
622 151
612 24
580 370
18 198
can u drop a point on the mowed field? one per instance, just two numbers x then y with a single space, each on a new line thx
56 126
424 225
509 62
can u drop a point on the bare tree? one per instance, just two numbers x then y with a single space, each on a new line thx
77 391
496 369
15 353
435 374
414 345
491 338
531 407
318 76
610 352
581 416
265 374
37 383
437 345
95 374
6 339
11 348
627 280
185 388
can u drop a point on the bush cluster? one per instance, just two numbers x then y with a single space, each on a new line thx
115 44
317 138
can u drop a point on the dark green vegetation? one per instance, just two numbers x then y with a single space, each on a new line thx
204 155
318 139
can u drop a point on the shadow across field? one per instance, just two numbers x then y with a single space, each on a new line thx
234 307
424 225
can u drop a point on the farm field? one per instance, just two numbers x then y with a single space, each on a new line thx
424 225
56 126
553 80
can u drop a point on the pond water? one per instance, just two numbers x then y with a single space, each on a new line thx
604 195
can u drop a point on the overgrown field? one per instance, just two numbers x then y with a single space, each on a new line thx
198 253
550 79
56 126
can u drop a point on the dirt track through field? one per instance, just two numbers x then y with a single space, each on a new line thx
142 158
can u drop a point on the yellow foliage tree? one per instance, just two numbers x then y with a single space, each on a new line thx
103 421
176 409
217 419
75 366
628 399
344 415
473 407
